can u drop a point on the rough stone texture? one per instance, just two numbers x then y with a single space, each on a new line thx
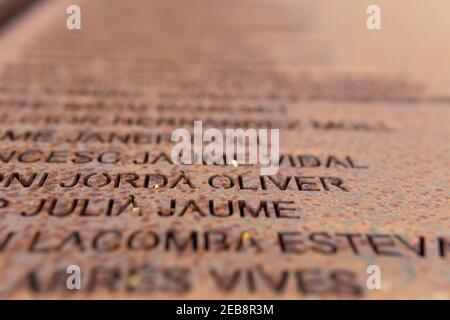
312 70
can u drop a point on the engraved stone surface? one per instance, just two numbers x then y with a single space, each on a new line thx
86 176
